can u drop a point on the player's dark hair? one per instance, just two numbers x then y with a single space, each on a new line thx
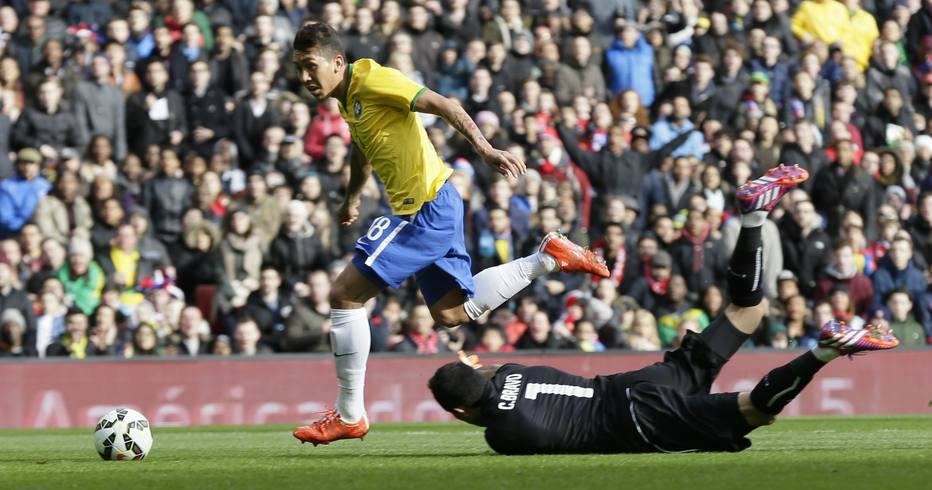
318 35
456 385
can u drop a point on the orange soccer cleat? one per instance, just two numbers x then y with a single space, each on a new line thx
571 257
331 428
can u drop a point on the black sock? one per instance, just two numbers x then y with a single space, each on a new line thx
745 269
780 386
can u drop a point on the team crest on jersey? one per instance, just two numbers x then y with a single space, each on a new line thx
357 108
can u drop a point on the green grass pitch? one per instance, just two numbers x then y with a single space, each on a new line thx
794 454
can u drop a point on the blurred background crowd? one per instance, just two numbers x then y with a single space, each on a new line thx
169 187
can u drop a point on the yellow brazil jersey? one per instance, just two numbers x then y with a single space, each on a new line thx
378 108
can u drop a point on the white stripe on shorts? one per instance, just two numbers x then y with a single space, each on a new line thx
388 239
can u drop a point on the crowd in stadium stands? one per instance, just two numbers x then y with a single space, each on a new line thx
169 187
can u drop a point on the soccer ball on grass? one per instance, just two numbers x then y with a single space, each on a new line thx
122 434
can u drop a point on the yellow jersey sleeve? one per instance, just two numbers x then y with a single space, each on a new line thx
390 87
377 107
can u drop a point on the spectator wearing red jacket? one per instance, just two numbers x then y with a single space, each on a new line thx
327 121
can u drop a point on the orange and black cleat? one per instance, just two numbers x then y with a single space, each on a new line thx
331 428
571 257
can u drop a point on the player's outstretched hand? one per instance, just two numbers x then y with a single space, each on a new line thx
348 212
505 163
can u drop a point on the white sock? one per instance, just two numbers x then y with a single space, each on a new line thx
753 219
825 354
496 285
350 340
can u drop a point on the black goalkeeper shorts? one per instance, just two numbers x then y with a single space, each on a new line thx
668 403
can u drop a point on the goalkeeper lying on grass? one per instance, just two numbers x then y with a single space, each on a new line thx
664 407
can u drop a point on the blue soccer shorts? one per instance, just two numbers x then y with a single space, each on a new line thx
430 245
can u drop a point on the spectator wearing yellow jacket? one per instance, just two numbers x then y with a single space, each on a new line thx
820 20
858 39
830 21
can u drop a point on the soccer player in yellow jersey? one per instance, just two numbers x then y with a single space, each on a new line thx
424 235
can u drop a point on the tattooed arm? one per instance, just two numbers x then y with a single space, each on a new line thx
433 103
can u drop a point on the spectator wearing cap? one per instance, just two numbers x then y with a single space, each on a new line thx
842 186
897 270
297 250
100 108
166 197
21 194
15 339
206 109
805 245
630 62
802 102
843 271
156 115
64 211
82 276
887 72
756 102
